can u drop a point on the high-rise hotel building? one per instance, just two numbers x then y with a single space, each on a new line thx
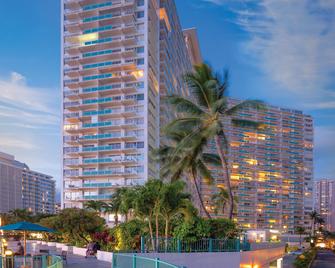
271 169
23 188
324 201
118 59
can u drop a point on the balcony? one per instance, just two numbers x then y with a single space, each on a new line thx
75 10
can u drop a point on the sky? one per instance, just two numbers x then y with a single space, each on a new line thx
282 52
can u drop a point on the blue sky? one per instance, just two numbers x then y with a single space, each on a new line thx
282 52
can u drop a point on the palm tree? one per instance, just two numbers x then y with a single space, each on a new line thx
191 161
97 206
174 202
221 199
204 113
300 231
314 216
146 205
17 215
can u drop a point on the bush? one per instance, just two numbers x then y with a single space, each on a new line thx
303 260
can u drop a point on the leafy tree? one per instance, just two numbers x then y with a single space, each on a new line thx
315 219
203 115
223 228
75 225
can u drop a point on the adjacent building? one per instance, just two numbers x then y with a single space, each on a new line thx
271 169
22 188
10 183
324 201
118 59
38 192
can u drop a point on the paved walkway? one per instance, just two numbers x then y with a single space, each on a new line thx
288 261
324 259
75 261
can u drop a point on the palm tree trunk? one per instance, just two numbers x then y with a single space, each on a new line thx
225 167
157 231
199 195
166 232
116 219
151 234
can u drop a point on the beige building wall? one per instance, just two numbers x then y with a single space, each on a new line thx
10 184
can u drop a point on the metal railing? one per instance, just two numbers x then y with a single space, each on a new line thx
45 261
134 261
203 245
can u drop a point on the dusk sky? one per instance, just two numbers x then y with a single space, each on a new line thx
282 52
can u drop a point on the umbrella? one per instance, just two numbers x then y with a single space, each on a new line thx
26 227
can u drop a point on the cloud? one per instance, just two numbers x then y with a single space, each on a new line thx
25 105
8 143
292 42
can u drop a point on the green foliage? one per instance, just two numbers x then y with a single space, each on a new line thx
199 228
128 235
192 230
303 260
75 226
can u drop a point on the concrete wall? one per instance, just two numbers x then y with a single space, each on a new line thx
260 257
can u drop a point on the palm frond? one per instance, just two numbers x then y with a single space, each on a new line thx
246 123
253 104
183 105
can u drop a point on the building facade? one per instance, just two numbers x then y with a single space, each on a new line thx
324 201
271 169
10 183
22 188
118 59
38 192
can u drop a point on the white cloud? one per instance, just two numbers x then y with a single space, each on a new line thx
8 143
292 41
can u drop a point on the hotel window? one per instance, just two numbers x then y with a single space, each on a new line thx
140 14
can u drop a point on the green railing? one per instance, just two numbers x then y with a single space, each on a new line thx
45 261
134 261
203 245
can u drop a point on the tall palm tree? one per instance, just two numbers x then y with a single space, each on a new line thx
315 219
190 162
300 231
204 114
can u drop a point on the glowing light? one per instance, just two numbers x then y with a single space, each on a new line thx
321 245
87 38
235 166
71 127
252 162
138 74
163 16
8 252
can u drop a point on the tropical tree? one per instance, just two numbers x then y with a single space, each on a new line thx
146 205
75 225
97 206
191 162
300 231
17 215
174 201
204 114
220 200
315 218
